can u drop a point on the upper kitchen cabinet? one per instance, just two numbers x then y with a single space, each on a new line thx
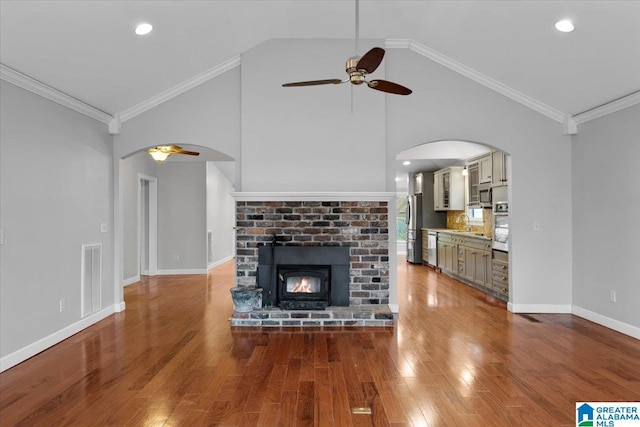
484 169
448 189
418 183
499 168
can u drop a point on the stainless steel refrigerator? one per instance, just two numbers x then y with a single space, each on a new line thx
414 224
421 214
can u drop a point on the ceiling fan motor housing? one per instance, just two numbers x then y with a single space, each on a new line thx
356 76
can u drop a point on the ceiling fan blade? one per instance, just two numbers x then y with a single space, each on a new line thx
188 153
371 60
314 83
389 87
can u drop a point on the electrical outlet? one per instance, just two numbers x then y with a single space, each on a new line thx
1 237
536 226
176 257
104 227
63 304
612 295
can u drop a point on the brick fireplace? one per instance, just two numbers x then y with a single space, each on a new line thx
361 225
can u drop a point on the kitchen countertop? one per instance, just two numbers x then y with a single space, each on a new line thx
459 232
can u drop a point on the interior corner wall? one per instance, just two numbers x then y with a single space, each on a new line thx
182 238
308 138
132 166
606 208
56 190
207 115
445 105
220 214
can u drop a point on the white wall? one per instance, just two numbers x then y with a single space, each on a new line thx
606 225
446 105
306 138
220 214
55 191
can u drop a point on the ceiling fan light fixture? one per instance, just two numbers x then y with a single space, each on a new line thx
158 154
143 28
564 26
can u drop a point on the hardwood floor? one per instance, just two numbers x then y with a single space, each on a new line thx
455 358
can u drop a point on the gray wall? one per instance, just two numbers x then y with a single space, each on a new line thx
140 163
182 239
606 211
220 214
208 115
55 191
307 138
446 105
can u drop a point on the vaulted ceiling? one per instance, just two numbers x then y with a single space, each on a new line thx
88 50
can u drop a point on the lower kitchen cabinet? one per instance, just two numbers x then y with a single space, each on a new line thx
470 260
447 254
500 273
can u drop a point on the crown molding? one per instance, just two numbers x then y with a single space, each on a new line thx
32 85
478 77
179 89
608 108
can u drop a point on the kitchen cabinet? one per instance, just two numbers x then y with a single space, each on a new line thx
447 253
499 168
485 169
500 273
474 261
448 189
473 182
468 258
418 182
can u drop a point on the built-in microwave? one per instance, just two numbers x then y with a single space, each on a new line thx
484 195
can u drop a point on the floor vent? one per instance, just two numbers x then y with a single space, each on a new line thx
91 279
209 247
529 318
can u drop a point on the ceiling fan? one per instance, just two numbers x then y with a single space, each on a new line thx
161 152
358 68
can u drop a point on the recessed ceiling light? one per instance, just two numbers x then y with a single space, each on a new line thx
406 163
566 26
143 29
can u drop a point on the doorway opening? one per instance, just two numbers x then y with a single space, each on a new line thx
147 225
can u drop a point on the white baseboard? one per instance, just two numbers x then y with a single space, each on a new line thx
539 308
220 262
182 271
31 350
131 280
120 307
608 322
395 308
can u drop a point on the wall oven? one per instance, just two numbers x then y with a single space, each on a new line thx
501 226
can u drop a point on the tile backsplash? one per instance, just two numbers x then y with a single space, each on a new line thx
457 221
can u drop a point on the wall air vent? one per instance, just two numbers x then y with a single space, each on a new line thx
91 287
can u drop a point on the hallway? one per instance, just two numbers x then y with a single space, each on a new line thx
456 357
